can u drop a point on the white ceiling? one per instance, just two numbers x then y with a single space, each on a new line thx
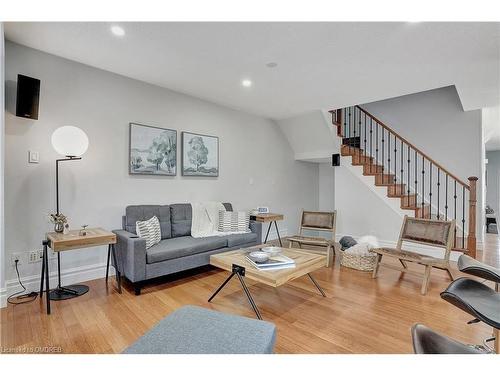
320 65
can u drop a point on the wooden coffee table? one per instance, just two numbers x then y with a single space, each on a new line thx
236 263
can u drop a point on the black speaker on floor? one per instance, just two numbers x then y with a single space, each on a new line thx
335 160
28 96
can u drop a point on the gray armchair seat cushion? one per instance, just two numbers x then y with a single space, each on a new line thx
178 247
241 239
195 330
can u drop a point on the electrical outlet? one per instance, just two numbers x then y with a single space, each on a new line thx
34 256
14 257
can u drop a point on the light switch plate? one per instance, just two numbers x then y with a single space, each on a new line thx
33 157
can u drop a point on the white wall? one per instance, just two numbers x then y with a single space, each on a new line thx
2 132
493 188
326 196
257 166
310 136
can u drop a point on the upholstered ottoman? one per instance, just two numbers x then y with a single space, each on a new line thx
195 330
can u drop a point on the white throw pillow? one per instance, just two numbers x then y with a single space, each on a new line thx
149 230
370 240
230 221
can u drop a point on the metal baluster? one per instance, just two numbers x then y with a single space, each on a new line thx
416 180
383 160
396 164
389 156
365 134
430 189
344 135
401 177
354 140
371 146
455 213
423 185
408 155
439 188
349 126
446 200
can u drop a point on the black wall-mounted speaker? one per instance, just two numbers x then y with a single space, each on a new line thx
28 96
335 160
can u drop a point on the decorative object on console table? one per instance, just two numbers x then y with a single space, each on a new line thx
72 143
269 218
152 150
200 155
59 242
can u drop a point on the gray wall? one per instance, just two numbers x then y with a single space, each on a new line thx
493 187
256 162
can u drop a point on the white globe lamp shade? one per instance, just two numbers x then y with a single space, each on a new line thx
70 141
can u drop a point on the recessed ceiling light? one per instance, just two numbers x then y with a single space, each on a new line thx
246 83
271 65
117 30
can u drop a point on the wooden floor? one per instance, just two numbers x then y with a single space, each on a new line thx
359 314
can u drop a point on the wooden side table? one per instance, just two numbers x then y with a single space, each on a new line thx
269 218
73 240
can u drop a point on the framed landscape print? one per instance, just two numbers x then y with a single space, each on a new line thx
152 150
200 155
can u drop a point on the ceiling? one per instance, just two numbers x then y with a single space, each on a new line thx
320 65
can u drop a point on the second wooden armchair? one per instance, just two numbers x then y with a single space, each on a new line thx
319 222
427 232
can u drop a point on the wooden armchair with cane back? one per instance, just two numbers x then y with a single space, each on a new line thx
435 233
317 221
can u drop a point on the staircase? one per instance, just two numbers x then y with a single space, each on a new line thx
424 187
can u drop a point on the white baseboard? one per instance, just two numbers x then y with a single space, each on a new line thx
68 276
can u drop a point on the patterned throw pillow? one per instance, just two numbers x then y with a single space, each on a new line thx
149 230
230 221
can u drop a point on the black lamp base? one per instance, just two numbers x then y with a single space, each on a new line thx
68 292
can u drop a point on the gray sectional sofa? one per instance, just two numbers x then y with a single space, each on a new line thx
177 251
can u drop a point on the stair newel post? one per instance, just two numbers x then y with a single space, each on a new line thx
471 238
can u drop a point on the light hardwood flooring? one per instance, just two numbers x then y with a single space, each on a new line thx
359 314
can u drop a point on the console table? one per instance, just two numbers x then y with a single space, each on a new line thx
73 240
269 218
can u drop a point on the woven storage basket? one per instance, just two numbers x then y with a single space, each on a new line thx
358 262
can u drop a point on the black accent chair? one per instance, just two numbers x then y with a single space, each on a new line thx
476 298
427 341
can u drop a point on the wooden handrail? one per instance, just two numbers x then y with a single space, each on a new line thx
408 143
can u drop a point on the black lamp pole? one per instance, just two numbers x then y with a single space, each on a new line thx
68 158
71 291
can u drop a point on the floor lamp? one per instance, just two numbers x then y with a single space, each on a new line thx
72 143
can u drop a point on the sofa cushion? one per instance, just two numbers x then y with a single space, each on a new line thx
146 212
178 247
181 216
241 239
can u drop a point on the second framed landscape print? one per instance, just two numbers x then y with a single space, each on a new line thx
200 155
152 150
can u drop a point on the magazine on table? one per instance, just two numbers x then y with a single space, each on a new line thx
275 262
